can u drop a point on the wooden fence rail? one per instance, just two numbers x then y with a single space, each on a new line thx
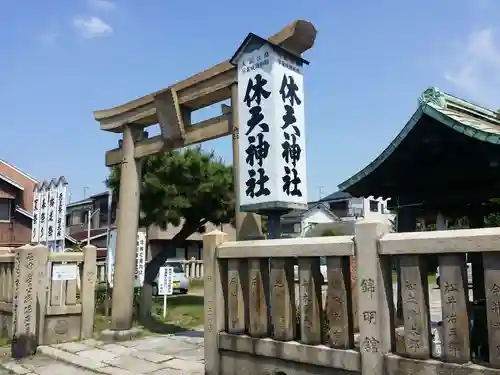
255 324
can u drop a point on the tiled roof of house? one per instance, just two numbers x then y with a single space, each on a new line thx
18 170
299 213
11 182
94 233
88 200
338 195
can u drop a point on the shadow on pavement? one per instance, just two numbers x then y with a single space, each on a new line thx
195 334
185 310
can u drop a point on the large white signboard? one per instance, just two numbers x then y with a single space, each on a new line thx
140 259
37 209
272 171
110 256
44 210
49 214
61 212
166 281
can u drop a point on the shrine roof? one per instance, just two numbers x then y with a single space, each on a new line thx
253 39
462 116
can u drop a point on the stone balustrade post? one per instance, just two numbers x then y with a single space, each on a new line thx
375 305
89 277
30 288
214 304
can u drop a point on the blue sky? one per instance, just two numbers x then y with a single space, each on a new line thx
60 60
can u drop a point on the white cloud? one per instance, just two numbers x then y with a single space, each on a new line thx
92 27
102 4
475 68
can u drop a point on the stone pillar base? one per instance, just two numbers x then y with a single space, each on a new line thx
111 335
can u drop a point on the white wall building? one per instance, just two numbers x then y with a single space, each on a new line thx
347 207
297 223
339 207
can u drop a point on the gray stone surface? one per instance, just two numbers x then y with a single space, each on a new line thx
41 365
73 347
126 335
154 355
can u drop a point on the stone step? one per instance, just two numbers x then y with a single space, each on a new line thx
153 355
41 365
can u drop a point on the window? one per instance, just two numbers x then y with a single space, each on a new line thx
103 213
373 206
84 216
5 207
290 228
74 218
177 266
180 253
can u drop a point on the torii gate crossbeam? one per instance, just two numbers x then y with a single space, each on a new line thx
171 108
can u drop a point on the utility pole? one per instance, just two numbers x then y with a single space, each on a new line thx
85 188
320 192
90 216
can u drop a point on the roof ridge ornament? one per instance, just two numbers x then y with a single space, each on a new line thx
432 96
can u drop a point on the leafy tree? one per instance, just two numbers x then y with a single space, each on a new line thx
492 220
264 222
186 188
328 232
393 225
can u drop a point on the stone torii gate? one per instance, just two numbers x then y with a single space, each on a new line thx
171 108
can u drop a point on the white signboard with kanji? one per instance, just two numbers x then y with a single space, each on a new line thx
140 260
166 281
37 210
272 170
49 214
64 272
61 212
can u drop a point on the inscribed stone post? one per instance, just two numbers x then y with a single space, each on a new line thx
374 310
25 302
42 255
88 289
214 304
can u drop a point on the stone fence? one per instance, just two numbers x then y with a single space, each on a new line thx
254 324
46 297
193 270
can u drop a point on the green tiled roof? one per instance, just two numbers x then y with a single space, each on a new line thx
460 115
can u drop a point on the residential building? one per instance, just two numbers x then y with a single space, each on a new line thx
16 207
346 207
77 218
296 223
336 212
77 214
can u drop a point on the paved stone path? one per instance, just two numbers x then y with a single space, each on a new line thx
180 354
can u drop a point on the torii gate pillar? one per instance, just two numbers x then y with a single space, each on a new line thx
126 240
